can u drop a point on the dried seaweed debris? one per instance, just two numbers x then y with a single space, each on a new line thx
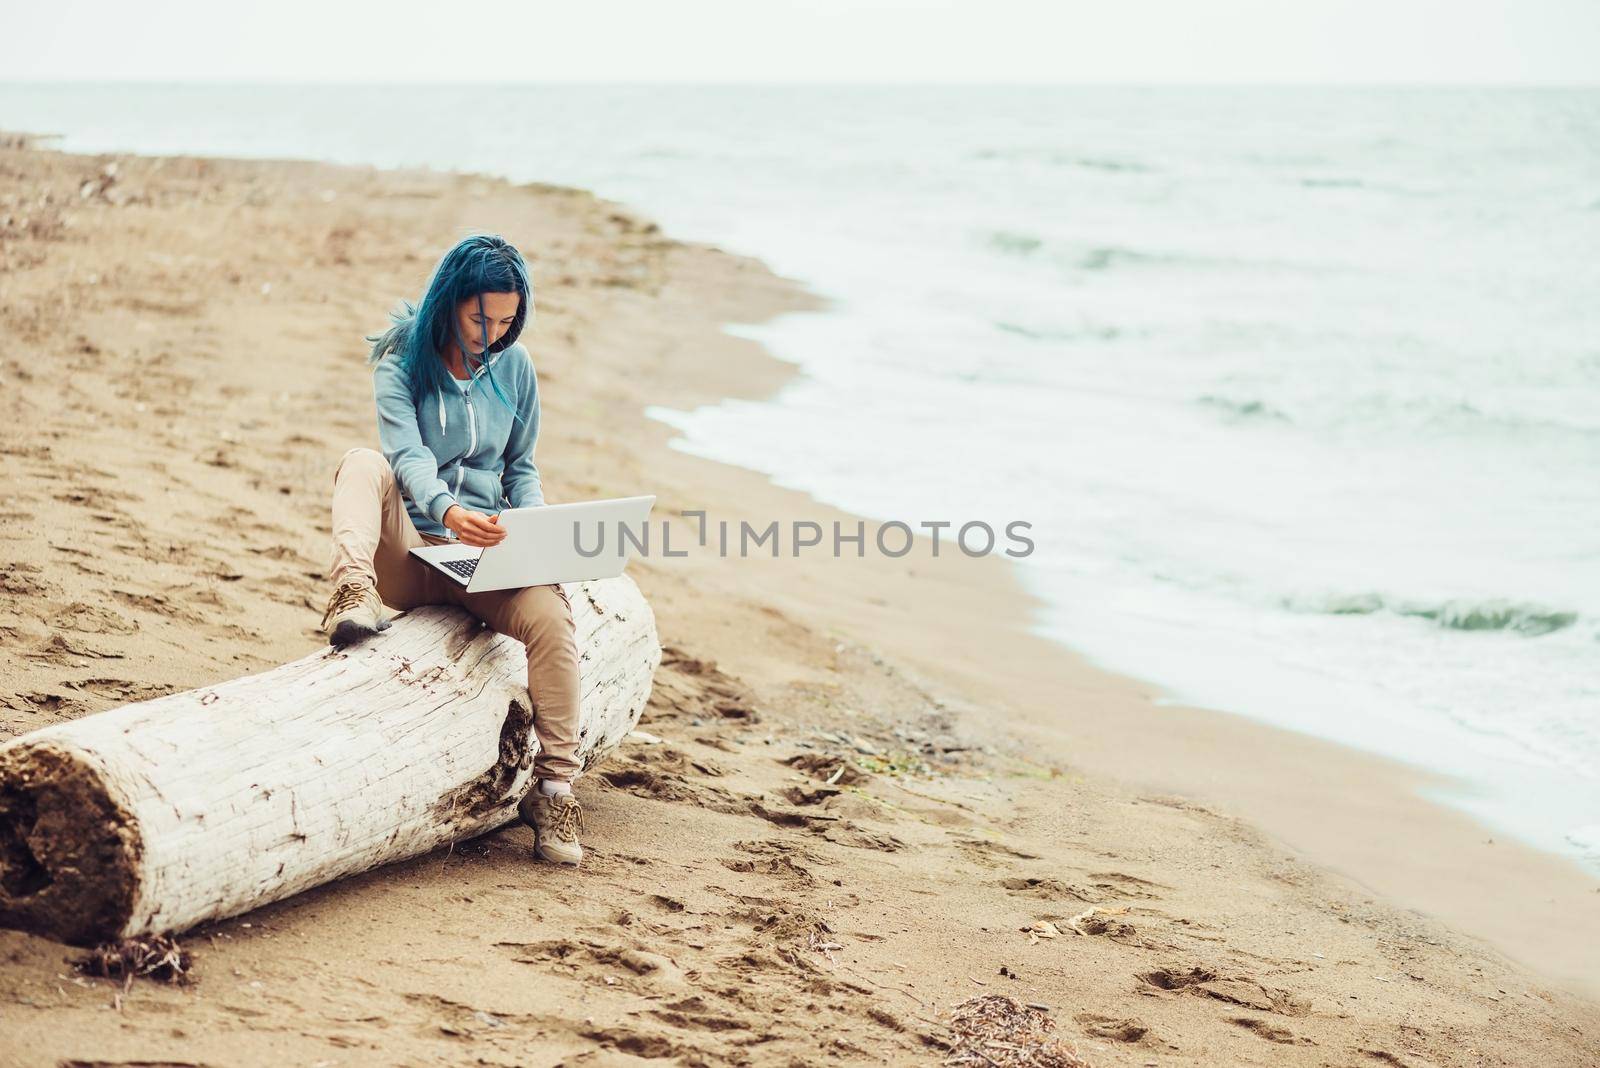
997 1030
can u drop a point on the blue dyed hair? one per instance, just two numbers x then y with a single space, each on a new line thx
479 264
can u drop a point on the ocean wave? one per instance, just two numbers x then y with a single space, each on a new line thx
1450 415
1056 158
1530 620
1431 417
1094 164
1015 244
1586 840
1241 410
1022 245
1098 259
1363 184
1037 333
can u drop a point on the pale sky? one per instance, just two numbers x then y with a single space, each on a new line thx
1162 41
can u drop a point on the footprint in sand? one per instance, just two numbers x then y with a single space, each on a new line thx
92 619
176 553
61 650
849 834
1243 991
1281 1035
1114 1029
1120 885
1048 889
662 777
782 936
196 593
694 1013
826 825
634 1043
808 795
53 704
831 769
24 579
159 604
794 875
695 690
633 968
775 848
664 773
667 904
992 853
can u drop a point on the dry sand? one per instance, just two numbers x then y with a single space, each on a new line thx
182 365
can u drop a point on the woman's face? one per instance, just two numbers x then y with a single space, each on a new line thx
480 330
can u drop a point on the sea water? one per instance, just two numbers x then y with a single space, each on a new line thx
1298 388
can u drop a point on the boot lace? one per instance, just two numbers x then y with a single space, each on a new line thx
566 818
348 595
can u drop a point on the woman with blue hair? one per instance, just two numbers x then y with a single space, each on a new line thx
458 414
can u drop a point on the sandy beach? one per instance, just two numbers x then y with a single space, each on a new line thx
183 365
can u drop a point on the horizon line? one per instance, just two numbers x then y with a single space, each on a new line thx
840 84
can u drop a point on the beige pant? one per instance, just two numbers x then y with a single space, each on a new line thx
372 539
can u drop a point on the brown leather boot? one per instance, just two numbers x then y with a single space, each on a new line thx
354 612
555 822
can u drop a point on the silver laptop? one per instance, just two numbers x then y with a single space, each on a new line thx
549 543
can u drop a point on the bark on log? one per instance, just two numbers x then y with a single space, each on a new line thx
155 816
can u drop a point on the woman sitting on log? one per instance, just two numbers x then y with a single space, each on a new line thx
458 415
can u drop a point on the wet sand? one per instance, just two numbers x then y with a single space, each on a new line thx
876 795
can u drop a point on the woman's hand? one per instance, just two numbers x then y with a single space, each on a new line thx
474 528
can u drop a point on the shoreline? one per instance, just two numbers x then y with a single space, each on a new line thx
869 647
1446 863
1464 872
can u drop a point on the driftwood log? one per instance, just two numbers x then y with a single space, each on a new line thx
156 816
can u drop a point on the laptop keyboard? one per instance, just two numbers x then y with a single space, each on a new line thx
464 568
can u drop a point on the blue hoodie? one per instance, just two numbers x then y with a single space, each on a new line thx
461 446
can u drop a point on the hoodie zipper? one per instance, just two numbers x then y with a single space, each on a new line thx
472 427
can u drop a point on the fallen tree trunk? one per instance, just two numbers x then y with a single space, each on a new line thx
158 815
